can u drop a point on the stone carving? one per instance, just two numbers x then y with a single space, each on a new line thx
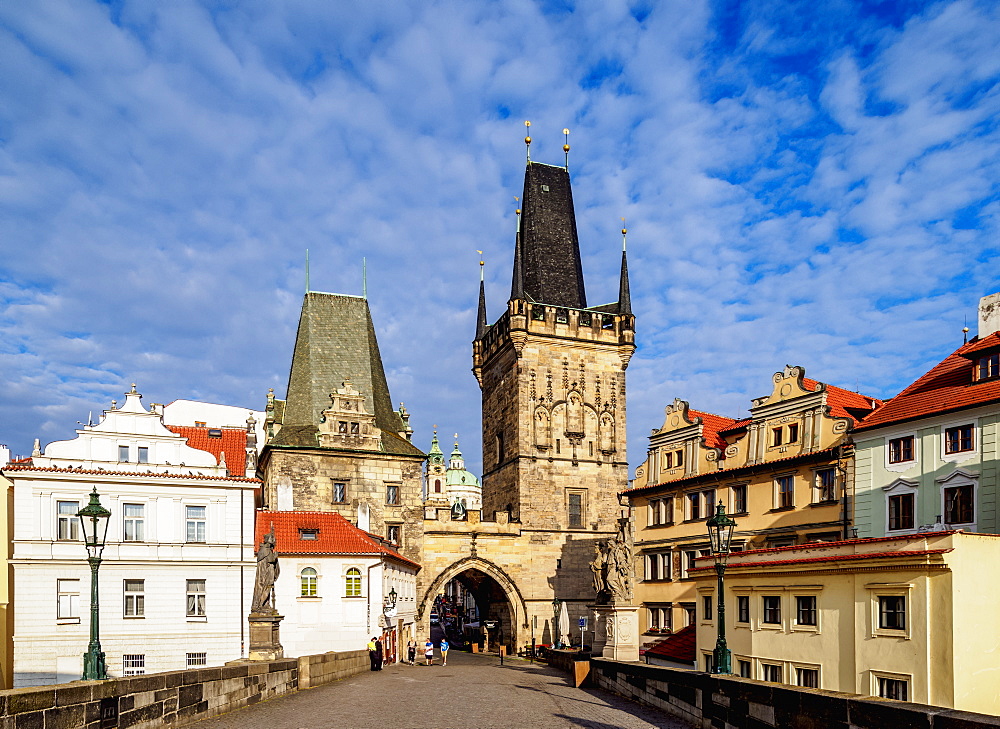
612 571
267 574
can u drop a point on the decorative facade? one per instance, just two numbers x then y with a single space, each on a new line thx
785 474
451 484
928 459
178 568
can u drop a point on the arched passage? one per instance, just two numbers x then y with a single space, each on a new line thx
497 597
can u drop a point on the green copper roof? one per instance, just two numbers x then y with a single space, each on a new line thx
336 341
435 455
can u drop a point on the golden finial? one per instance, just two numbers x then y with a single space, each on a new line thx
527 139
481 264
517 216
624 232
566 147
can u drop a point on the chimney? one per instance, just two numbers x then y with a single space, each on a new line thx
989 315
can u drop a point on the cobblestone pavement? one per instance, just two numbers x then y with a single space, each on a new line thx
471 692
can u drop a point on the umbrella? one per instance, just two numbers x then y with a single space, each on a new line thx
564 636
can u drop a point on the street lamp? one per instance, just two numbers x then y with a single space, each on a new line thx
720 534
390 599
94 519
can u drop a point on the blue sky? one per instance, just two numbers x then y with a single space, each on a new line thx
806 183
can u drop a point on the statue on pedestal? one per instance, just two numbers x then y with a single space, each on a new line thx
267 574
612 570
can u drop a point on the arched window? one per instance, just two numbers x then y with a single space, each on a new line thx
437 485
308 578
353 580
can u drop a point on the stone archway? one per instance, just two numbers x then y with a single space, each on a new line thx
516 621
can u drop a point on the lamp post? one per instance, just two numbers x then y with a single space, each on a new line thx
556 604
720 534
94 519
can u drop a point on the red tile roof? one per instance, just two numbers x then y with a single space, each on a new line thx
335 535
143 474
679 647
712 425
946 387
737 425
844 403
233 442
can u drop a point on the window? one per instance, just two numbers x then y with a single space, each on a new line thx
355 428
661 511
901 511
195 523
308 582
143 454
196 660
673 459
901 449
200 424
808 677
392 533
688 562
958 507
575 510
694 506
709 498
339 492
342 427
706 607
742 609
708 662
892 688
134 515
308 535
688 613
196 598
659 619
353 583
134 664
562 316
776 434
538 313
988 367
892 612
772 609
793 433
786 492
392 493
805 610
123 454
958 439
652 566
740 498
67 525
437 485
68 600
135 598
826 485
744 668
771 672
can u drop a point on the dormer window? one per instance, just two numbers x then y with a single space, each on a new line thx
214 433
309 534
342 427
987 367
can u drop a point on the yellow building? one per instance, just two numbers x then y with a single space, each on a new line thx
784 473
908 617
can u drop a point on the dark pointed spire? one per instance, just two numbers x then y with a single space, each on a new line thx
481 319
624 298
547 265
517 280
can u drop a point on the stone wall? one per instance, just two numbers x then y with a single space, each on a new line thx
729 702
170 699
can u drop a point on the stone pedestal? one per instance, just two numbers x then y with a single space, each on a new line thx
616 634
265 644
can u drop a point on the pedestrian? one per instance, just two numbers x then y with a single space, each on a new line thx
378 654
444 651
428 653
372 655
411 652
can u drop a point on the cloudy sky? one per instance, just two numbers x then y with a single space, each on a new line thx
810 183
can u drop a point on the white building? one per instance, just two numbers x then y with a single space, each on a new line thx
178 570
334 582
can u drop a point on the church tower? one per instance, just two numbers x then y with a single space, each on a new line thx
552 374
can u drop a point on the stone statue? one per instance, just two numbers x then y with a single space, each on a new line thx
267 574
612 571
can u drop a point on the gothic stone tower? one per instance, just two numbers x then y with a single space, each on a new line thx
552 373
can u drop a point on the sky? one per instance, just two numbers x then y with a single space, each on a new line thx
804 183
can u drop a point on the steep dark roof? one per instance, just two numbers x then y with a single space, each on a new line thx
624 297
549 253
336 341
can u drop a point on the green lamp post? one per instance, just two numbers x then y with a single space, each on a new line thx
94 518
720 534
556 605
